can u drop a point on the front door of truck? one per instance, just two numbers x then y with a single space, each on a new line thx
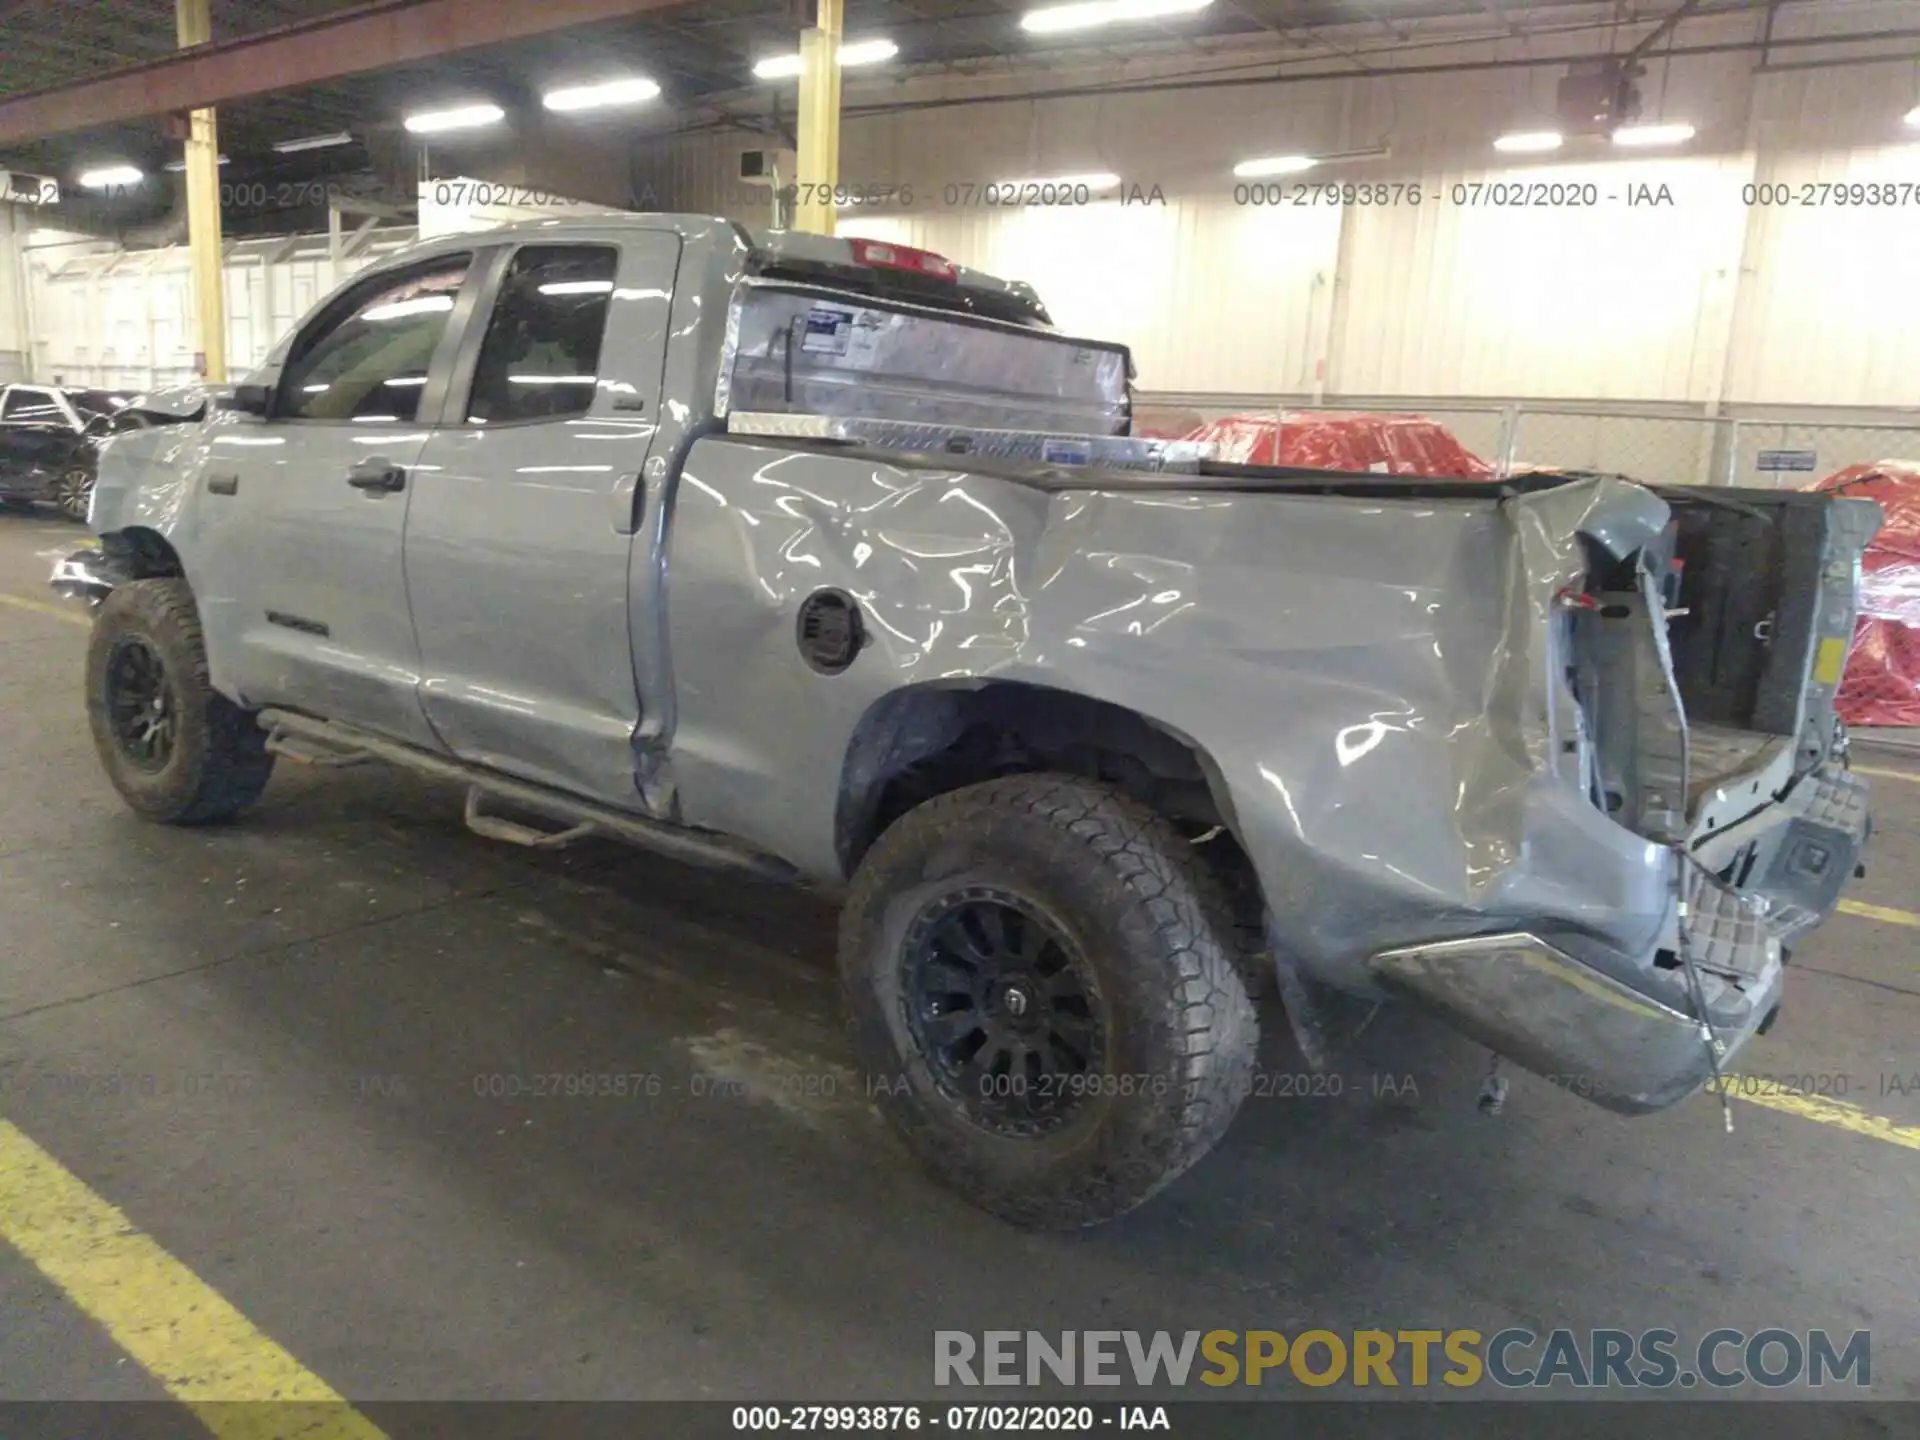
521 535
300 578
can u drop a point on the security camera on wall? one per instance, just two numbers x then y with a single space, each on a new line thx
772 169
19 189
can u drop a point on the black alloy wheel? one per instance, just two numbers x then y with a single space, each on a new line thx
142 708
1007 1013
73 493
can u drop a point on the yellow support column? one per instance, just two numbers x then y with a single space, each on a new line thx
195 26
818 127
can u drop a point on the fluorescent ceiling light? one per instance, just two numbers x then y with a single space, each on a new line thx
630 90
313 142
176 166
1099 180
859 52
109 176
465 117
1530 142
1641 135
1274 165
553 379
1055 18
577 287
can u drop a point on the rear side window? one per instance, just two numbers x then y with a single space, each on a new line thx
33 407
541 357
368 362
97 402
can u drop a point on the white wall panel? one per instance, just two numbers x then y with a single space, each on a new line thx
126 319
1603 302
1832 311
1699 301
1706 303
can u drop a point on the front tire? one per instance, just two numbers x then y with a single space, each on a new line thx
1043 994
177 751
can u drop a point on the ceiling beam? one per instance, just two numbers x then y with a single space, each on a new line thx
1665 28
346 42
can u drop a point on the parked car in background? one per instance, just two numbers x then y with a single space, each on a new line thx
49 442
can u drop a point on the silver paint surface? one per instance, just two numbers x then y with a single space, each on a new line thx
1370 681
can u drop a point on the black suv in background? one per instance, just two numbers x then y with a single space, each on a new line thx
49 442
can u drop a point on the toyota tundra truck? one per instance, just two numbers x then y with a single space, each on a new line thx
834 561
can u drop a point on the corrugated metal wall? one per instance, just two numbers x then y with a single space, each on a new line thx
101 316
1670 287
1693 296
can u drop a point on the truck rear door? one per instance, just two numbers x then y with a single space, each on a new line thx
520 535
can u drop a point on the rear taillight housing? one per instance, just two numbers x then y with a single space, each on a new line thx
882 255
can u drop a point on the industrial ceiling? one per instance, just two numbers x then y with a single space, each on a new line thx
702 55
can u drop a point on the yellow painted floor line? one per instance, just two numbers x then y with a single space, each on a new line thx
1906 775
47 607
1819 1107
1879 912
204 1352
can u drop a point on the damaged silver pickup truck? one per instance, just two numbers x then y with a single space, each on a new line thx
834 561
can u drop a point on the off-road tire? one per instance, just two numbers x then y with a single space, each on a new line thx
219 763
1126 888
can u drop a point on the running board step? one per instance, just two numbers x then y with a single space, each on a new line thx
495 827
301 735
309 750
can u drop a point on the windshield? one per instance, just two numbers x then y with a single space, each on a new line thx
98 402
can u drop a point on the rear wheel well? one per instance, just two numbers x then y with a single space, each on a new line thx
916 744
146 554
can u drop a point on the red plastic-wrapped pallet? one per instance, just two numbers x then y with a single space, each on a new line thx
1381 444
1882 683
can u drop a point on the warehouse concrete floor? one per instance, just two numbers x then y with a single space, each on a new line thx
306 1013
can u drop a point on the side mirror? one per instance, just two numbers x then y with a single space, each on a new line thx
249 400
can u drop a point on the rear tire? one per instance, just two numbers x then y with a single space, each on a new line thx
1044 996
177 751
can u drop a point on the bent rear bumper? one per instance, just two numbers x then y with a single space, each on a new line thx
1585 1031
1634 1049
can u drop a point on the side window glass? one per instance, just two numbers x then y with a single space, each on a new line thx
370 363
541 357
33 407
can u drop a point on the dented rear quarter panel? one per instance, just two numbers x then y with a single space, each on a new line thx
1370 682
